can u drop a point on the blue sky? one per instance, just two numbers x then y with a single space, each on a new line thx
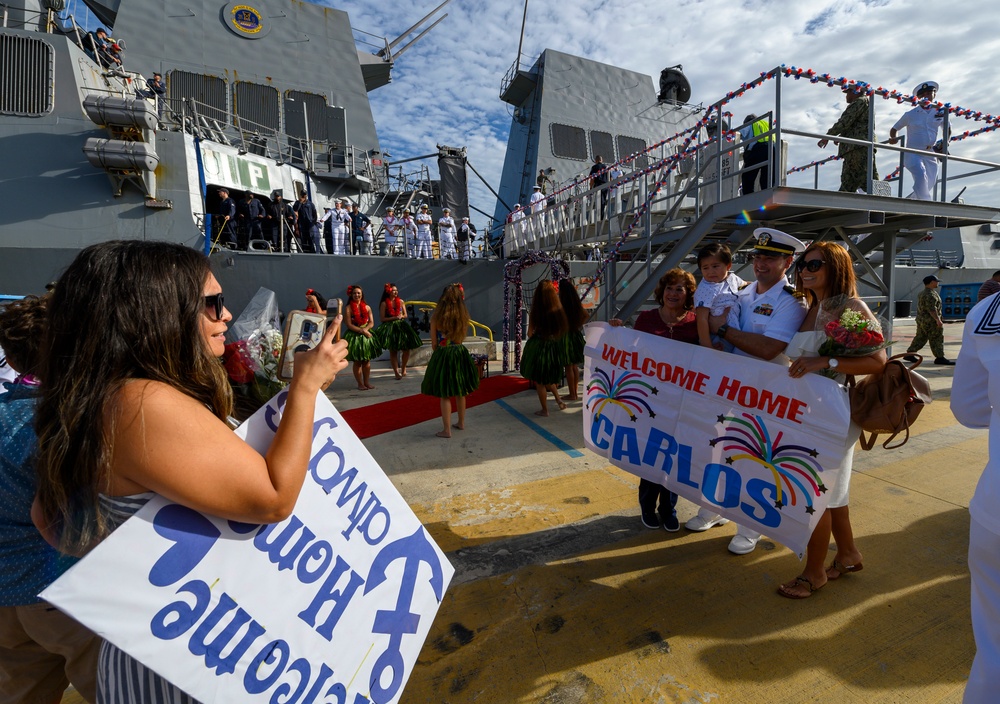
445 88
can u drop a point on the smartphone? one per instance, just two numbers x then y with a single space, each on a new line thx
333 309
303 331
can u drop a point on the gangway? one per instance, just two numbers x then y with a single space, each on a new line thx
657 216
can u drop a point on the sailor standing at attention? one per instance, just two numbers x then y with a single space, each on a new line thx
344 215
226 215
409 233
466 233
770 313
446 234
391 224
922 124
537 211
424 222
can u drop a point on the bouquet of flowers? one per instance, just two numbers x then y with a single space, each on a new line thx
851 331
251 358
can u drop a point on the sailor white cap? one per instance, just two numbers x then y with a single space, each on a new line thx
446 210
537 188
767 240
466 217
926 85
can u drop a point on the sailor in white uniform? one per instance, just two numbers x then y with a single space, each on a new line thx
409 233
517 227
537 212
975 401
770 314
344 217
446 235
392 225
424 223
922 124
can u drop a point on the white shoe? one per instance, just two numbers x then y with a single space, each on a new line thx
742 545
698 524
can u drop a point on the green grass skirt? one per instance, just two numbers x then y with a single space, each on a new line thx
398 335
361 348
450 372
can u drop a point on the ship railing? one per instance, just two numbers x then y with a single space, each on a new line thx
936 258
508 78
228 127
25 18
579 216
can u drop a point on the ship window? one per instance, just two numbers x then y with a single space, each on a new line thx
255 107
316 110
568 142
627 146
209 91
602 143
27 81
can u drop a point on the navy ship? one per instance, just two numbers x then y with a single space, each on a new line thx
269 98
272 98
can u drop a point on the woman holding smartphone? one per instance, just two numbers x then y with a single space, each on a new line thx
135 403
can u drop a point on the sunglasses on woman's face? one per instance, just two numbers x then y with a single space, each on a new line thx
812 265
215 302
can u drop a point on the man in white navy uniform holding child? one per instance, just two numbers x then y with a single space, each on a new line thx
770 315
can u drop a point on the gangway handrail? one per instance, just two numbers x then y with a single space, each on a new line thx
431 305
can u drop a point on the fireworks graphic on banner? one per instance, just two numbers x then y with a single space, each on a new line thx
794 467
628 391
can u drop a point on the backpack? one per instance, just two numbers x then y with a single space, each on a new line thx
889 402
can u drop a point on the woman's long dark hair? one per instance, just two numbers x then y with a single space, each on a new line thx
547 319
122 310
576 315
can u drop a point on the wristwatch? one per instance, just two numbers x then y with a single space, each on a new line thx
833 363
721 332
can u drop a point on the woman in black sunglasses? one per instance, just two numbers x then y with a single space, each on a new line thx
135 401
824 273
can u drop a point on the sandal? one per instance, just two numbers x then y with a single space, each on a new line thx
840 569
786 590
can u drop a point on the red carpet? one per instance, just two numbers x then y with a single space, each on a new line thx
383 417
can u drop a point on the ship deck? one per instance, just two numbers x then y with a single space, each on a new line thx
560 595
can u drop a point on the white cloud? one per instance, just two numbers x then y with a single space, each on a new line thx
445 88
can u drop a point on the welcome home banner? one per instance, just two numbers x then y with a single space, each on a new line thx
331 605
731 433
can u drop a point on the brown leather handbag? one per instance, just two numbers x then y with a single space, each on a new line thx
889 402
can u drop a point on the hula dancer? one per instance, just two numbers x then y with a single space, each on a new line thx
394 333
362 345
450 371
544 355
576 317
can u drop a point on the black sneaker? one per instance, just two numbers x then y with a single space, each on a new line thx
671 524
650 521
912 358
944 361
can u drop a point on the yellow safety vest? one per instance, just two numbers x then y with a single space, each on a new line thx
760 127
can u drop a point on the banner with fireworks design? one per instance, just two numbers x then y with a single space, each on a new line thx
731 433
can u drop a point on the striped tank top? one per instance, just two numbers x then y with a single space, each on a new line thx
121 679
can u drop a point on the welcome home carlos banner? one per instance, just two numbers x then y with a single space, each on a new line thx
331 605
731 433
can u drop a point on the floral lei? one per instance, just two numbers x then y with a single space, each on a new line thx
394 307
359 313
